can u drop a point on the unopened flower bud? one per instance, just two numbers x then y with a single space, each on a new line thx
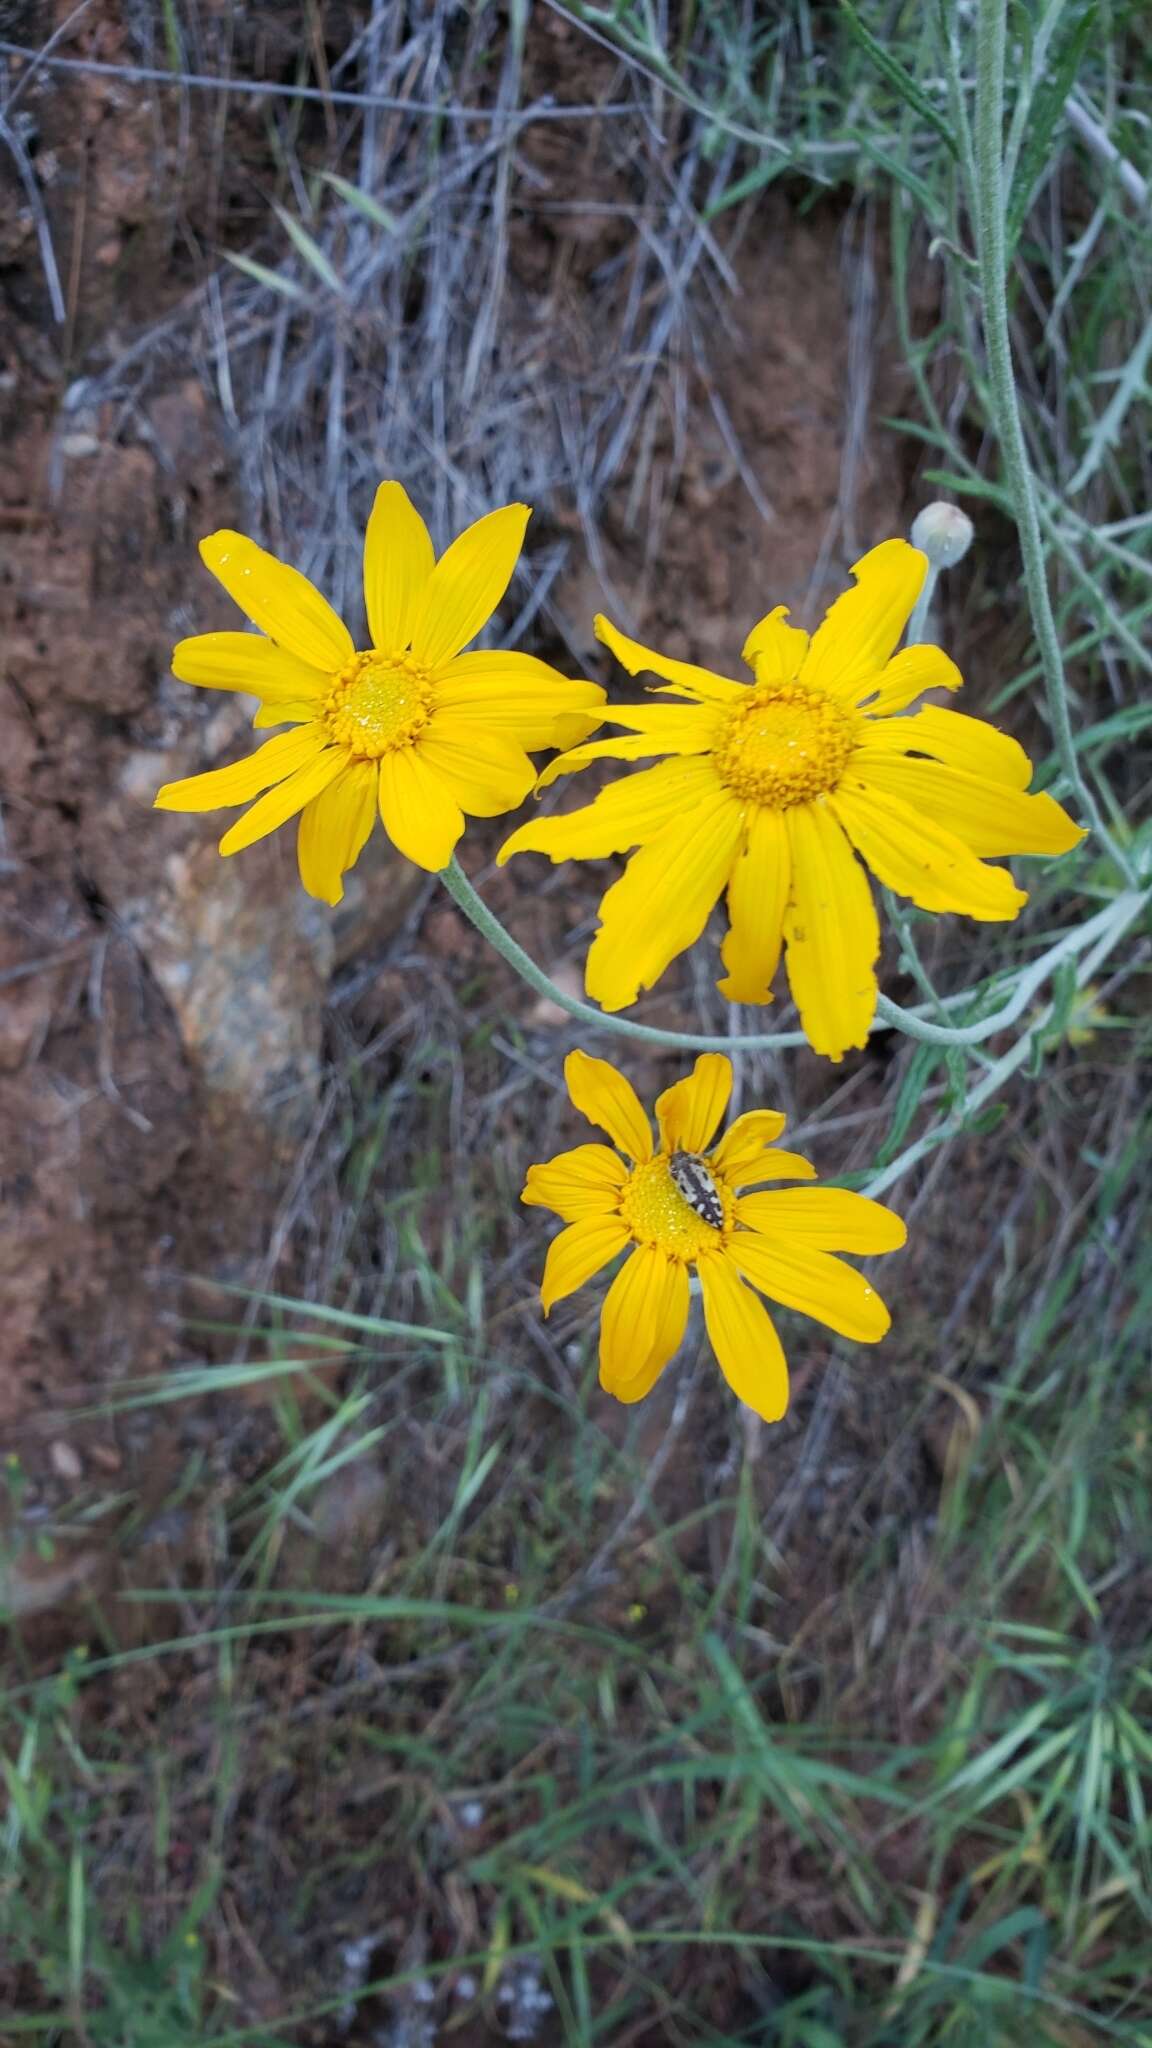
944 533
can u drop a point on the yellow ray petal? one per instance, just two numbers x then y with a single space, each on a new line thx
685 677
467 584
687 731
989 818
246 661
743 1336
398 562
970 744
521 698
584 1182
906 677
824 1219
671 721
602 1094
288 798
334 828
662 901
487 773
690 1110
624 815
813 1282
743 1144
420 814
283 712
774 649
757 898
278 600
831 932
577 1253
909 852
220 788
642 1323
774 1165
863 627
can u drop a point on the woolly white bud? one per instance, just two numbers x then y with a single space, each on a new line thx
944 533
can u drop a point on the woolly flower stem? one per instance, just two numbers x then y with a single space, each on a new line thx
1106 927
992 255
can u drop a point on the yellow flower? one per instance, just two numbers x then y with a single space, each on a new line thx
780 1240
409 724
777 786
1080 1027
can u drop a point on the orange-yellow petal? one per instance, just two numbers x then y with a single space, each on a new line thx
288 798
602 1094
520 698
970 744
398 562
663 900
988 818
420 814
861 630
333 830
774 649
824 1219
906 677
909 852
220 788
831 932
743 1145
671 721
467 584
246 661
757 899
772 1164
813 1282
683 677
284 711
279 600
674 729
577 1253
690 1110
486 772
642 1323
624 815
583 1182
744 1339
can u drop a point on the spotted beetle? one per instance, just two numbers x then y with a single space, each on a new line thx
697 1186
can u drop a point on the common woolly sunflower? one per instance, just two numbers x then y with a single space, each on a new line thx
775 789
410 725
684 1208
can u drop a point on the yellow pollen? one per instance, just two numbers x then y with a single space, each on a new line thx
377 702
654 1210
785 745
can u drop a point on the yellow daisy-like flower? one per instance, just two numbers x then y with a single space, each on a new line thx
410 725
684 1207
778 785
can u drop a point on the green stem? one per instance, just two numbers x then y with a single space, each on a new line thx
489 926
918 623
1107 925
994 1080
992 255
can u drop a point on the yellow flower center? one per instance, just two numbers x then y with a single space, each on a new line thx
784 745
377 702
654 1210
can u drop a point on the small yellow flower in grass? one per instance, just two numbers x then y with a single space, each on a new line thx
775 789
684 1207
1081 1024
410 725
